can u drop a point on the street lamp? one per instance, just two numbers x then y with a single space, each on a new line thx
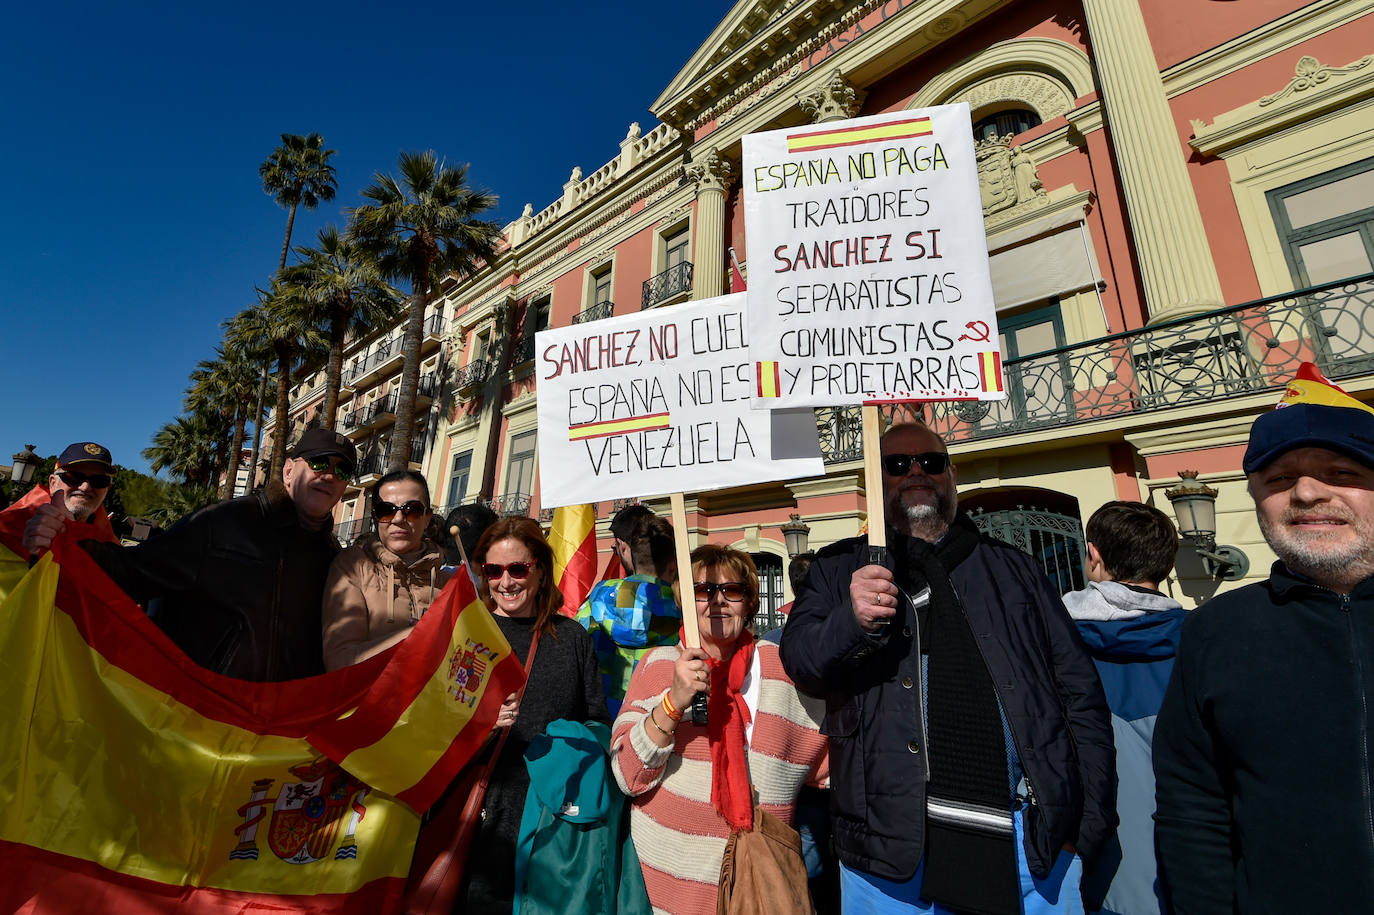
25 463
795 533
1195 506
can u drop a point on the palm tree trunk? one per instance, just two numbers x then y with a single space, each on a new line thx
398 456
506 318
257 427
281 422
333 371
235 447
286 243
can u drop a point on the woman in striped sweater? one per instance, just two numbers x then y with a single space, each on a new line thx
693 786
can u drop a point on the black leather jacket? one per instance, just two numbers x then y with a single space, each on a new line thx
236 585
1044 676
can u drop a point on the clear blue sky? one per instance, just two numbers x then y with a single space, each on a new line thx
136 222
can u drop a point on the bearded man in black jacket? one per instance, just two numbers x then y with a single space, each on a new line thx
971 744
1262 748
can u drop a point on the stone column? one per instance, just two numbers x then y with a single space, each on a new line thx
1175 260
834 101
712 176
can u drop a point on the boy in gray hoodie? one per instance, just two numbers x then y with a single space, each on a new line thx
1132 631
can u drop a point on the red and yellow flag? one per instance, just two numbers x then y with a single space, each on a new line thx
769 380
573 538
132 779
990 370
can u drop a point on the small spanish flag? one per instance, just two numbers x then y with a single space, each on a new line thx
990 370
1311 386
904 129
646 423
770 382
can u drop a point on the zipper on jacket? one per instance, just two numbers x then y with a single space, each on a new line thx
1364 720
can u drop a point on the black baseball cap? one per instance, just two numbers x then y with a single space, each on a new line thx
86 453
324 442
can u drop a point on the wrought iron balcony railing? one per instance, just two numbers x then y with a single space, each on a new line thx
594 312
522 350
369 464
676 280
385 406
510 503
349 531
434 326
1233 351
417 450
475 372
428 385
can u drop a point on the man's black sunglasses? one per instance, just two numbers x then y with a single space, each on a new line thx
74 479
385 511
931 462
322 465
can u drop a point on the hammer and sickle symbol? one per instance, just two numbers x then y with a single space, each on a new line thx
979 332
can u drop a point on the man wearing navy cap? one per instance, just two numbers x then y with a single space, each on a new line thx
1265 792
238 585
84 475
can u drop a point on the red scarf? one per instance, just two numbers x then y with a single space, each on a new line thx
728 713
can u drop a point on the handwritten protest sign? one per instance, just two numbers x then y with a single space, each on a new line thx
868 264
657 403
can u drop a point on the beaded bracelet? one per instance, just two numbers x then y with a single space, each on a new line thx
671 710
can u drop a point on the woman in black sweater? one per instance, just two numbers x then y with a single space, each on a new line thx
564 682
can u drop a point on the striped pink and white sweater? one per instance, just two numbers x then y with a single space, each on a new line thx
679 836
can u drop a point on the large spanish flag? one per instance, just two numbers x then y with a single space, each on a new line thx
573 538
133 780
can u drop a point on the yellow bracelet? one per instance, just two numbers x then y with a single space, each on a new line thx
671 710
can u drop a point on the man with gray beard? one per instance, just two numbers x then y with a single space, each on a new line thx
1262 747
971 759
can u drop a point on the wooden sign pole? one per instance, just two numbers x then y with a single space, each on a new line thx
684 572
873 484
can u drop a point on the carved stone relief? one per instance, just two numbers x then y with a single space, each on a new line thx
1048 97
1007 178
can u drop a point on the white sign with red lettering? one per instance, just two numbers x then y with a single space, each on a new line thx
658 402
868 263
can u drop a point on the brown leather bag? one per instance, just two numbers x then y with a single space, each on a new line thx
762 872
441 850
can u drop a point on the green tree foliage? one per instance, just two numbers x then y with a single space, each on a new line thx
297 174
422 227
347 297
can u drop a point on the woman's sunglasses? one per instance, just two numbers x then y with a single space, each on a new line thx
74 479
385 512
516 570
931 462
732 591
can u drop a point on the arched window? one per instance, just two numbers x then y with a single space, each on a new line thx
1040 522
1008 121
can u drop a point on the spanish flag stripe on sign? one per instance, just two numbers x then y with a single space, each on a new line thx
864 133
616 426
990 370
769 381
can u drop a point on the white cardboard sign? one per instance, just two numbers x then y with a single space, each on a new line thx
659 402
868 263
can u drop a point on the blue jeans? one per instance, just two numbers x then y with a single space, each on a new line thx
1057 894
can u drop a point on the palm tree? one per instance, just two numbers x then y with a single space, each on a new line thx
280 322
176 502
226 383
298 173
186 446
348 295
423 228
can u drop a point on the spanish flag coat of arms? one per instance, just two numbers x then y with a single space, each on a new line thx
133 780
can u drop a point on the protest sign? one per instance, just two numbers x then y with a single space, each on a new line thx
659 402
868 264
